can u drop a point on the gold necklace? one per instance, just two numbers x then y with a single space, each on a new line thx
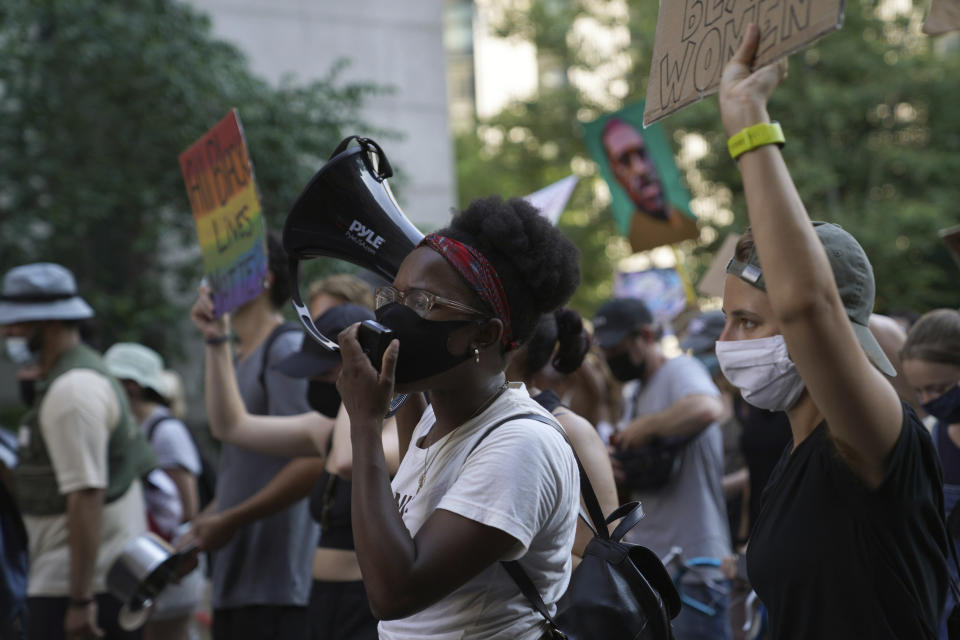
483 407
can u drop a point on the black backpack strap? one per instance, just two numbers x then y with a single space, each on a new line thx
279 330
513 568
586 489
152 425
528 589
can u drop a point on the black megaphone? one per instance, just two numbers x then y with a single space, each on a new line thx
347 211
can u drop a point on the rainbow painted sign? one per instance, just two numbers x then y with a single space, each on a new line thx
227 212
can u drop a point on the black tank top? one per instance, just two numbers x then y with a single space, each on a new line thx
548 400
833 558
764 437
330 507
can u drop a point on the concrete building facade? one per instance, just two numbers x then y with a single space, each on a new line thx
389 43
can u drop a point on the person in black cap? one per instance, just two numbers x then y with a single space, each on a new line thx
850 540
338 608
81 459
671 406
701 336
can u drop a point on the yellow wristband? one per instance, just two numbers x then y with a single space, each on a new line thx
755 136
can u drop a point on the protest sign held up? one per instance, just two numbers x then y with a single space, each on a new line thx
227 213
696 38
648 199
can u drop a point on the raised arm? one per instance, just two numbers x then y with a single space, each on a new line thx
297 435
340 459
859 404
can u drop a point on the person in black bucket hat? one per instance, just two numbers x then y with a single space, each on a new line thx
81 458
338 607
850 540
701 336
315 362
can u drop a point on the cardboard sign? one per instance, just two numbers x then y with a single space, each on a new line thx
711 283
227 213
649 201
696 38
951 238
944 17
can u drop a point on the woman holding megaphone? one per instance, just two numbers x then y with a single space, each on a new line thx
465 496
850 540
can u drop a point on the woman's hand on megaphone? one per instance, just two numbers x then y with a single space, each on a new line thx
202 314
365 393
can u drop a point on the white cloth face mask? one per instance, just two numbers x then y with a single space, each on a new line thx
762 370
18 350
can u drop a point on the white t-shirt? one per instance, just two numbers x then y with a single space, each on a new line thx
171 441
77 416
174 449
522 479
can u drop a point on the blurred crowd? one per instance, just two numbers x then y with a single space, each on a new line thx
797 457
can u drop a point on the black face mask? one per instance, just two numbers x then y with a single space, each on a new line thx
323 398
623 368
423 343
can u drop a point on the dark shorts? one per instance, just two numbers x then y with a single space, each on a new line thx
341 611
46 615
265 622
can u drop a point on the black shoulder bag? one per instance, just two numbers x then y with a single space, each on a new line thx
619 590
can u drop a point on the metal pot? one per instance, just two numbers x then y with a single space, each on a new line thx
138 575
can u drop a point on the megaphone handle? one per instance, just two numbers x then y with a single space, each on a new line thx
302 312
395 404
383 168
304 315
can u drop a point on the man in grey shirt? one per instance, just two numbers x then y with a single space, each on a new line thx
263 548
673 399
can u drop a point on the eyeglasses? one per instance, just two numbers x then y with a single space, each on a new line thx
420 301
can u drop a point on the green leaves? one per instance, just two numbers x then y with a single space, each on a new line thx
97 100
873 142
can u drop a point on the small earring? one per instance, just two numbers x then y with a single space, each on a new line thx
476 355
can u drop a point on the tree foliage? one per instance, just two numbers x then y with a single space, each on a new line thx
97 100
869 113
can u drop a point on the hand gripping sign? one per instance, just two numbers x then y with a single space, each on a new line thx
696 38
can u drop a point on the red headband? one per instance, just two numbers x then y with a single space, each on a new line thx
479 274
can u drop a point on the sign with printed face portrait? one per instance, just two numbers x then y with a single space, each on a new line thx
227 213
696 38
649 202
661 290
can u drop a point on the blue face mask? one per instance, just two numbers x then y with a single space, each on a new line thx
946 407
